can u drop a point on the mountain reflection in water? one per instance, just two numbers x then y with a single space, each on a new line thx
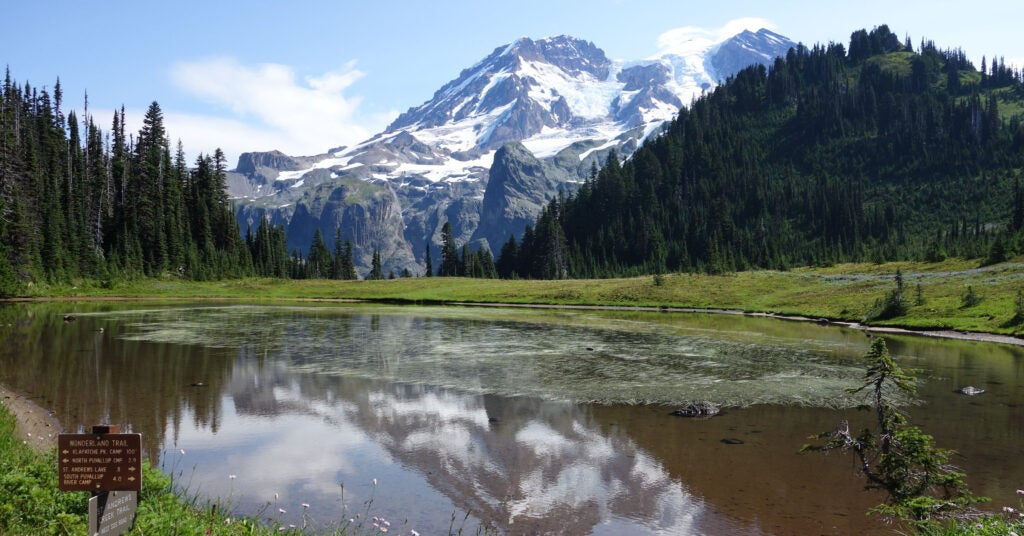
522 464
422 414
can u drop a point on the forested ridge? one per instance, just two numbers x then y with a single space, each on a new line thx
879 151
78 202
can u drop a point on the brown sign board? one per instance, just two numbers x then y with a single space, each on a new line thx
112 513
99 462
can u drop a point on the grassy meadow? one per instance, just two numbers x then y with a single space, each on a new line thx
934 292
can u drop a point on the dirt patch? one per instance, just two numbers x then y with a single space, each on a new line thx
36 426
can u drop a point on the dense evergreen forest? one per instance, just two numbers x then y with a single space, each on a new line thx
80 203
876 152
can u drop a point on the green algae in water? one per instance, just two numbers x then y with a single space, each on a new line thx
593 357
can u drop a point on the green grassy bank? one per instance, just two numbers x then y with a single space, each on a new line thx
31 504
934 292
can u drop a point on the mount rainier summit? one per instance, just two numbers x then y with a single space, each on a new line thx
489 149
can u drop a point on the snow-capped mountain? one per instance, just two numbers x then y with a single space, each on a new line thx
746 48
561 102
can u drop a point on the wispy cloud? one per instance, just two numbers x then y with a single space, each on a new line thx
683 37
203 134
268 107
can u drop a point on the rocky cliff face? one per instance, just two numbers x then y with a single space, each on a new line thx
489 149
368 214
518 187
257 174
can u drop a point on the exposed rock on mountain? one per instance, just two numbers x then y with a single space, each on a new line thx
369 214
490 148
748 48
518 186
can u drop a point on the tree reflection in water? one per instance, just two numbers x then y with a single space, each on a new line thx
455 410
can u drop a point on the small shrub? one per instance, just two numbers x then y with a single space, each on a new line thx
892 305
997 253
970 298
1018 311
884 309
897 458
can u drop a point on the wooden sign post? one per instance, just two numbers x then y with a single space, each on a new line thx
109 464
112 513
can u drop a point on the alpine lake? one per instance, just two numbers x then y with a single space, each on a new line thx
517 421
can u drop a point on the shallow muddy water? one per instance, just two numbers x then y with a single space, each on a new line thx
546 422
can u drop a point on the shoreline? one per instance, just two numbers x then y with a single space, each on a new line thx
976 336
36 426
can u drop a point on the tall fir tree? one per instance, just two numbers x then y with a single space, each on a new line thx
376 268
429 271
318 261
449 253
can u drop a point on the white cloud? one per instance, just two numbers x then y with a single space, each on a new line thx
686 37
736 26
203 134
267 107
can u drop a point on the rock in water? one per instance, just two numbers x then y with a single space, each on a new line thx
698 408
970 390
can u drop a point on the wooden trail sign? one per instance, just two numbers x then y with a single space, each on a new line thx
112 513
99 461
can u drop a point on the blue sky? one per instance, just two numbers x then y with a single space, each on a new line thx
307 75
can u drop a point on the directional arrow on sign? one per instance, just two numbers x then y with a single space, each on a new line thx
98 461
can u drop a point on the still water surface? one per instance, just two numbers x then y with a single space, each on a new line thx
548 422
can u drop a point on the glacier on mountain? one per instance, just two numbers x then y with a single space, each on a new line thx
560 99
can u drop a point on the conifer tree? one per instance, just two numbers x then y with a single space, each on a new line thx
348 268
337 267
508 259
376 270
449 253
318 262
429 272
152 162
